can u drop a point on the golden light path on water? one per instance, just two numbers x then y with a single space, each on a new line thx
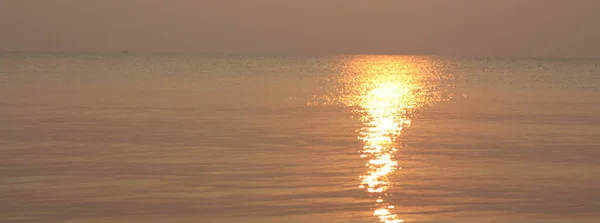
385 92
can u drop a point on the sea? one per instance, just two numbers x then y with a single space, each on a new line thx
268 138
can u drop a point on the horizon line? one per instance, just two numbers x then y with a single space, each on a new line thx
125 52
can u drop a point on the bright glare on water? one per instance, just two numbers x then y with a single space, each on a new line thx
386 91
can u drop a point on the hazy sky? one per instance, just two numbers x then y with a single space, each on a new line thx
441 27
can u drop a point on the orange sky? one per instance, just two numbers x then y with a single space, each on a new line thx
441 27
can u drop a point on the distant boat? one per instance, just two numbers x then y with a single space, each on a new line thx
125 51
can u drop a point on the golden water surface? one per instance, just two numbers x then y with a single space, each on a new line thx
385 92
164 138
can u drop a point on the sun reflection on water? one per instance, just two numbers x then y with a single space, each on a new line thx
384 92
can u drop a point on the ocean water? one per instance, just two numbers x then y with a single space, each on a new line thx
274 138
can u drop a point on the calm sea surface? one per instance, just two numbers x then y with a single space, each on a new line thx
265 139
